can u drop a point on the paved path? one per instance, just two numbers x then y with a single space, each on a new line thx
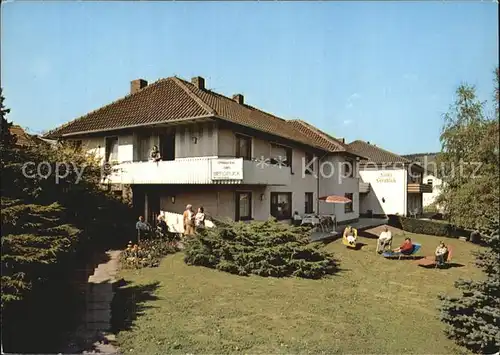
94 333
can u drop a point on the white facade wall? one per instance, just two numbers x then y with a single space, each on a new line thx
388 191
299 184
429 198
333 182
212 141
196 140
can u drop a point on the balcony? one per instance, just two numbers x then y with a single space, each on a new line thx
418 188
199 170
364 187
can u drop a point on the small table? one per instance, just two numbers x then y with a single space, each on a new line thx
310 219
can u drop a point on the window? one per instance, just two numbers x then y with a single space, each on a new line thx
281 155
348 206
243 206
349 168
429 182
111 149
167 146
243 147
308 208
309 164
281 205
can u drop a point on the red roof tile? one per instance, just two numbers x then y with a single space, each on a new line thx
174 99
376 154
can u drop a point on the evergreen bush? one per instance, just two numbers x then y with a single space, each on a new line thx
473 319
261 248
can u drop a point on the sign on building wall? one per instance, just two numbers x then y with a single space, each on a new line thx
386 177
227 169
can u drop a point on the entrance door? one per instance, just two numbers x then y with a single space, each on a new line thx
167 146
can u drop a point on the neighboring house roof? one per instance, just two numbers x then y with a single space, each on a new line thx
376 154
173 99
320 138
427 160
24 139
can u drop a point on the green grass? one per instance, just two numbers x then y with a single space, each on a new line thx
373 305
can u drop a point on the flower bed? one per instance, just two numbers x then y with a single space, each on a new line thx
148 253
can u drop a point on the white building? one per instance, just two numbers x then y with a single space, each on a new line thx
436 183
428 162
217 152
390 184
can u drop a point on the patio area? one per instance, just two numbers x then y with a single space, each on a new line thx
361 224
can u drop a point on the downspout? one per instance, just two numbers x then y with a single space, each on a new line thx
317 178
405 188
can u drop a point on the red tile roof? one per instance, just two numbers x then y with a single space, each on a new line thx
174 99
376 154
24 139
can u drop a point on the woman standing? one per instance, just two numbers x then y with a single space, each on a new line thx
199 220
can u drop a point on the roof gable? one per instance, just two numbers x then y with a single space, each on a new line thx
174 99
161 101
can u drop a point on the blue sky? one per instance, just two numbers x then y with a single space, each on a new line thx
384 72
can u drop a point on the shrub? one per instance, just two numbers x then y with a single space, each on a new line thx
428 227
260 248
148 253
473 318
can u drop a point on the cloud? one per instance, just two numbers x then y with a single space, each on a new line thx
351 100
347 122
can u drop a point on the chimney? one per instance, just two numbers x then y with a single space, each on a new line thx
341 139
136 85
239 98
199 82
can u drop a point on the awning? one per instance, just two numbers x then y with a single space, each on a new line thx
335 199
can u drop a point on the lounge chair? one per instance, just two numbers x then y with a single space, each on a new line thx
391 254
346 242
431 260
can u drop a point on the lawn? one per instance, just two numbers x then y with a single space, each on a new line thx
372 305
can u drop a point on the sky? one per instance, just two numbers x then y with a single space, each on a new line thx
383 72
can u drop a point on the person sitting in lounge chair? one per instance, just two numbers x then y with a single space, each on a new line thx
384 240
441 254
405 248
350 234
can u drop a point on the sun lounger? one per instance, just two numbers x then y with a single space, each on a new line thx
399 255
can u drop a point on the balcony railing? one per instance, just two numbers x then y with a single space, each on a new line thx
364 187
199 170
417 188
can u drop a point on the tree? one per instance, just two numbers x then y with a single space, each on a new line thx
473 318
468 164
7 139
49 227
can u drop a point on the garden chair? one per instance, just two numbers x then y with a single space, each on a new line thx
391 254
346 242
387 245
431 260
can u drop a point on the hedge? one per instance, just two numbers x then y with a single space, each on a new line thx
420 226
